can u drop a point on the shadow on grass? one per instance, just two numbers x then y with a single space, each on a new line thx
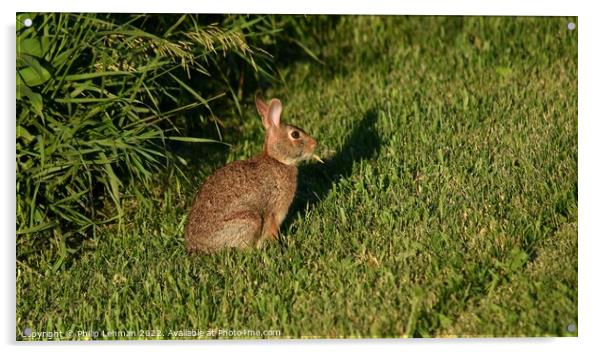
315 180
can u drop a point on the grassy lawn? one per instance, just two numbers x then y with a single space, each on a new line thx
447 205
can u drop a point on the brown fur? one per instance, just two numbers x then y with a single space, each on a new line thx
243 203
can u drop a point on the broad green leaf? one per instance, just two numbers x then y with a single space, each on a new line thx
32 62
31 46
32 77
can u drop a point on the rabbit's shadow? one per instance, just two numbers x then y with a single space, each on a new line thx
315 180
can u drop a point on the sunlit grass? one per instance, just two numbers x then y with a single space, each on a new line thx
447 205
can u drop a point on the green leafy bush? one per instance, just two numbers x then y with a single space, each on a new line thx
97 100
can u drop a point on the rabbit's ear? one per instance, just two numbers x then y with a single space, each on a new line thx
274 112
262 109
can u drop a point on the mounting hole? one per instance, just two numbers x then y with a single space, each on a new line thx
571 26
28 22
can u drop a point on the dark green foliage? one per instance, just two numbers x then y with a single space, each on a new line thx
104 99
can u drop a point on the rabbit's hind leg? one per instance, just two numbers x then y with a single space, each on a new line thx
240 231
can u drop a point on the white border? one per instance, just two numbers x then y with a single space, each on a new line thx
589 176
432 7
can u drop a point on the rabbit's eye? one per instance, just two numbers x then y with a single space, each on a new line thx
295 134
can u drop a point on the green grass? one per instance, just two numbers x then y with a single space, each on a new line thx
447 207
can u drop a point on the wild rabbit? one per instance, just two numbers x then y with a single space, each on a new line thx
243 203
